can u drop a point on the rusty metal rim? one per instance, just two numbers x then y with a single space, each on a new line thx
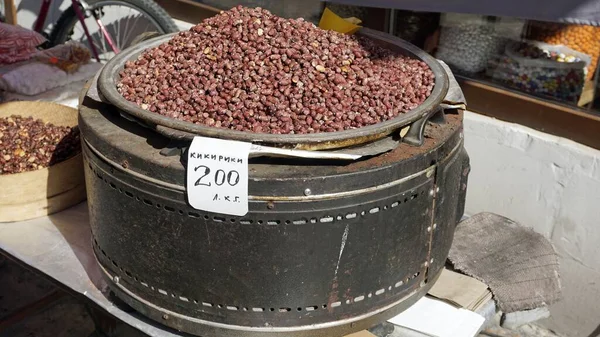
107 85
206 328
307 198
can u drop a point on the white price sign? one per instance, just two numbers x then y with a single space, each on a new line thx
217 175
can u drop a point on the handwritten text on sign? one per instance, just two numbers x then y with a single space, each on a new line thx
217 176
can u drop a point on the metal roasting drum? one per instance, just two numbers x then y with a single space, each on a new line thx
327 248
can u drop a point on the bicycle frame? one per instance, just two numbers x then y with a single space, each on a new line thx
38 26
77 7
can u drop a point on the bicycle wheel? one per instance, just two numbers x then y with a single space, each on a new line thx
123 21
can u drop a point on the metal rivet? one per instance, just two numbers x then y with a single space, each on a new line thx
165 316
116 279
307 191
434 226
428 229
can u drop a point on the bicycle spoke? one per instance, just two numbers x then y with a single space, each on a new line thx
146 28
104 43
99 32
127 38
82 38
121 33
118 37
99 47
127 24
122 40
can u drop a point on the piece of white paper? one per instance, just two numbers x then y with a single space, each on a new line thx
217 175
259 150
438 319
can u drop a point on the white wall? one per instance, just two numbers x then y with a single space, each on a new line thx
552 185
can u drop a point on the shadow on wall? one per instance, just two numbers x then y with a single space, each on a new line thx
596 332
32 7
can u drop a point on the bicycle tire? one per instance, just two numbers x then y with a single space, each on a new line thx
64 26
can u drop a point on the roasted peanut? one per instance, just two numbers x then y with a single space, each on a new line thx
27 144
275 75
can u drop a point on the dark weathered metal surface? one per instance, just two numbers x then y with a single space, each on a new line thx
353 251
416 132
321 259
59 248
137 149
177 129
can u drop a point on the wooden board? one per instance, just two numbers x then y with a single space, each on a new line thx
10 12
45 191
546 116
588 93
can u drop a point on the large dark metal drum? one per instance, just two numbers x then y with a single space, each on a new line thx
327 247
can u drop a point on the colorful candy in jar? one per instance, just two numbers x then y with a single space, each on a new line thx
582 38
535 52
